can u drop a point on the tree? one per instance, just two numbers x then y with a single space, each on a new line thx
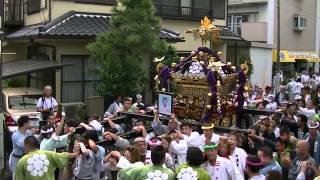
120 51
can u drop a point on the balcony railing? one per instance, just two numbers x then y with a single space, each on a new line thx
180 12
13 12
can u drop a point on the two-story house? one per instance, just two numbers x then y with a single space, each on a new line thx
256 21
56 33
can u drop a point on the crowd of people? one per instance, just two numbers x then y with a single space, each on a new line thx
270 148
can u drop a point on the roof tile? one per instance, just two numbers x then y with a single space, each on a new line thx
79 24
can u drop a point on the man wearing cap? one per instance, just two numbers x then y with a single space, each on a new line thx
145 154
313 137
208 136
218 167
281 96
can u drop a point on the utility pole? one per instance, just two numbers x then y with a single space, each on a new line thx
278 37
277 80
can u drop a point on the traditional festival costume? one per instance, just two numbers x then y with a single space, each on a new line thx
148 172
223 168
178 151
40 165
50 144
214 138
186 172
238 158
194 140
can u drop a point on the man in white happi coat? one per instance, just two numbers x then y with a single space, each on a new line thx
193 139
237 155
219 167
177 149
208 136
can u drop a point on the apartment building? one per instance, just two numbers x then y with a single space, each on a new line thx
256 21
58 31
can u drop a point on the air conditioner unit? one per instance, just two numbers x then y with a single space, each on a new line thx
299 23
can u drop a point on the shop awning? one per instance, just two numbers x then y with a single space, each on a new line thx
292 56
14 68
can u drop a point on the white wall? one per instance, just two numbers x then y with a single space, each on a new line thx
271 21
261 59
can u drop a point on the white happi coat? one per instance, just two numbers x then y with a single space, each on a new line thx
214 139
238 159
223 169
194 140
178 152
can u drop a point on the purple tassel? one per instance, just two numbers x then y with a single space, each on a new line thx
164 77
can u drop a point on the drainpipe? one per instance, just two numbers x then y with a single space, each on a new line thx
49 11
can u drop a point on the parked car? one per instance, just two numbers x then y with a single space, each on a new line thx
19 102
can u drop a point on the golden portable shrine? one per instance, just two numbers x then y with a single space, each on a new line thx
205 88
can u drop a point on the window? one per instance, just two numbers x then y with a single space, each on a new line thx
300 23
21 102
235 21
78 80
218 9
33 6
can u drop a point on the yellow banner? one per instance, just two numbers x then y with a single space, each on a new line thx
292 56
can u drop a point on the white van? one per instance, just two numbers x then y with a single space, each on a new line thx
21 102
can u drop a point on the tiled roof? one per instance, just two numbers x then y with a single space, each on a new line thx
14 68
226 33
79 25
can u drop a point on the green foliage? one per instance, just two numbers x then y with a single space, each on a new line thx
81 113
12 83
120 51
243 59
